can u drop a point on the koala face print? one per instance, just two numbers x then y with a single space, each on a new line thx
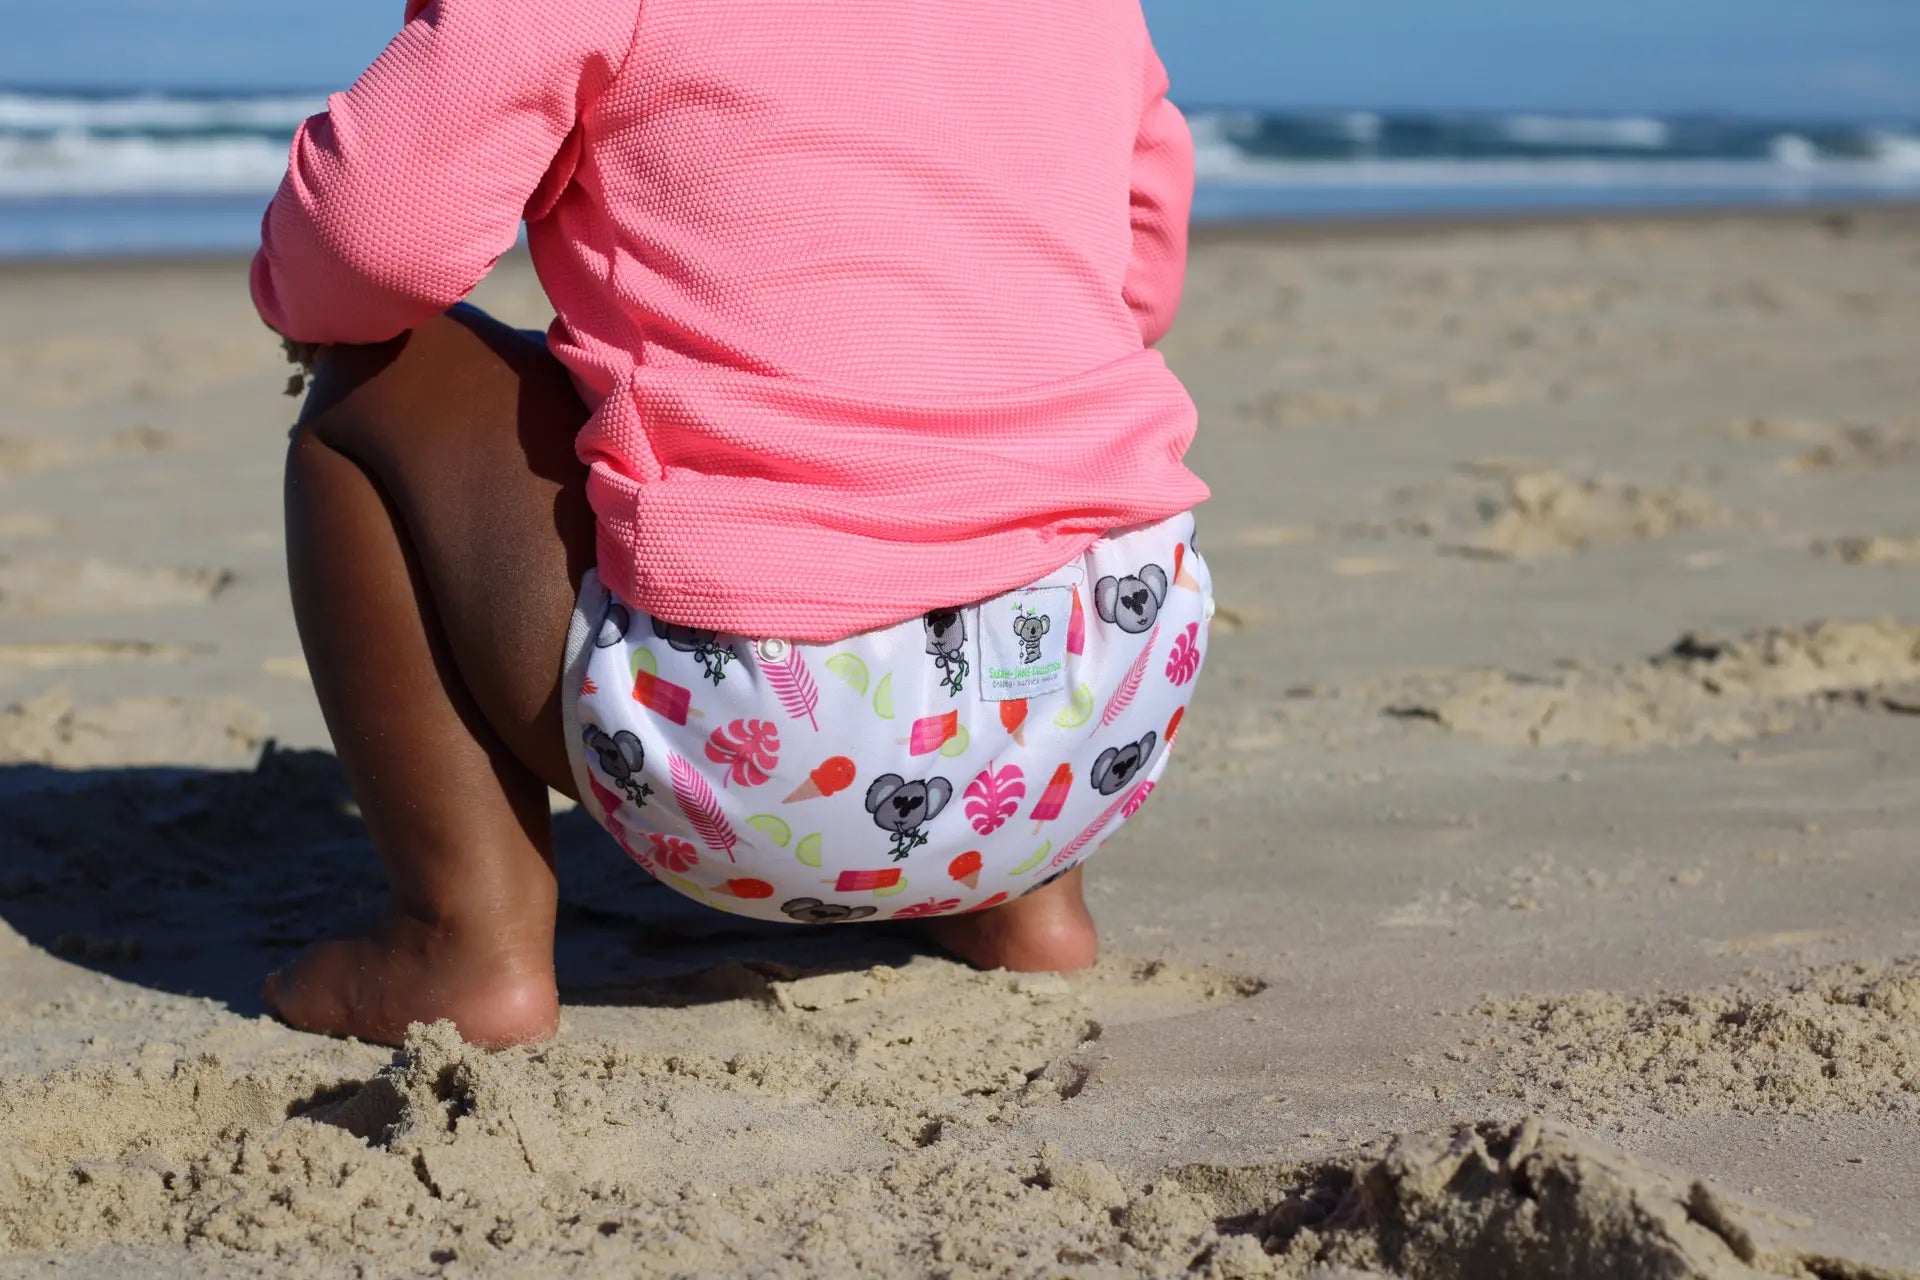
814 911
947 642
701 643
622 758
620 754
684 639
900 808
613 627
946 632
1117 766
1132 603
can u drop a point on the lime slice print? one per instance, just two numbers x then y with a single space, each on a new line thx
883 697
892 890
1034 861
643 660
774 829
686 886
808 850
849 668
956 746
1079 712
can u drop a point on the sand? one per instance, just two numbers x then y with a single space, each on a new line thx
1534 894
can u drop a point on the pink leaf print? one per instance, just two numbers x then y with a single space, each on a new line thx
1138 798
994 796
588 688
793 684
1129 683
672 852
702 809
1184 662
639 856
1092 833
749 748
931 907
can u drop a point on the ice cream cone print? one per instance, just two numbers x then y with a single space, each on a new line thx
833 776
1055 796
966 868
930 733
1183 576
1013 718
865 881
1077 626
662 697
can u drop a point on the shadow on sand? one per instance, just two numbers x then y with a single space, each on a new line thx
200 881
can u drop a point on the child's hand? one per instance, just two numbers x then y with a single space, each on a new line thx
305 354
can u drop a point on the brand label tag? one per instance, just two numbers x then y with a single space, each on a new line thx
1023 643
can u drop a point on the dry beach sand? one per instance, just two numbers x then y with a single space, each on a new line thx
1537 892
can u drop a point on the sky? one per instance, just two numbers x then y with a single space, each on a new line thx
1851 58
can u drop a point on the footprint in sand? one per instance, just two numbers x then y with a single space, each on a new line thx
1833 446
1702 689
1878 549
51 729
86 653
91 586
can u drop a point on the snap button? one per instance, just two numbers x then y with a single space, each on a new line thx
772 650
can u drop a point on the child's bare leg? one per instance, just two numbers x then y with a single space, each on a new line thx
436 529
1050 929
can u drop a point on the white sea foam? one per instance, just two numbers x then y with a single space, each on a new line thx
1228 166
1628 133
82 164
153 113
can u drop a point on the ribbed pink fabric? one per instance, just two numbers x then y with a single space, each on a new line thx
861 293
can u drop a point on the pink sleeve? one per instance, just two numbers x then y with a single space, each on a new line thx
403 193
1162 203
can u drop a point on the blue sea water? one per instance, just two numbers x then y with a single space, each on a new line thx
119 173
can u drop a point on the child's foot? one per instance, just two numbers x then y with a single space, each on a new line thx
496 992
1050 930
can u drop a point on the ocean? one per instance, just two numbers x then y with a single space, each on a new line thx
135 173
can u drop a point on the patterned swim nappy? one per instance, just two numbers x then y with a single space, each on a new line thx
941 765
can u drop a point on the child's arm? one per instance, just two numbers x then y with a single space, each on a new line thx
1162 203
401 196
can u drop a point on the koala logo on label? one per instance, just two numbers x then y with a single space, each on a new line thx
702 644
1030 627
900 808
947 643
1132 603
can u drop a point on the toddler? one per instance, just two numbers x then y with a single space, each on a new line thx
833 548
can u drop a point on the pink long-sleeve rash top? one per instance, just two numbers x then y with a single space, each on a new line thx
862 295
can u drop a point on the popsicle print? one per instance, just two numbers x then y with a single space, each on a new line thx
662 697
866 881
1054 797
930 733
1077 626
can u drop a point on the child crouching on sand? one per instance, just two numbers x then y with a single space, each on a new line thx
834 549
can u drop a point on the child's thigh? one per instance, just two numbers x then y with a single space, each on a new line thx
468 428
